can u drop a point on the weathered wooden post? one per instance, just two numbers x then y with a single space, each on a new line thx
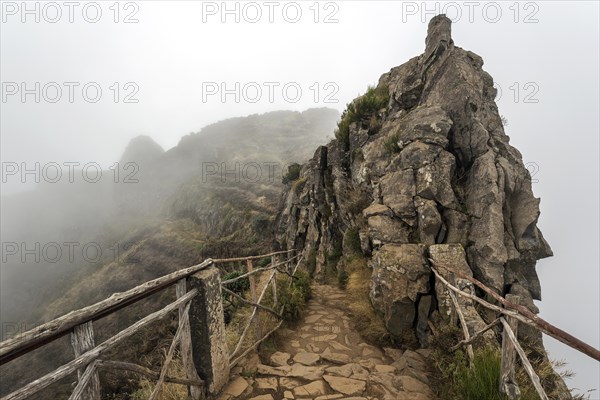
253 292
273 262
508 383
207 328
185 343
82 340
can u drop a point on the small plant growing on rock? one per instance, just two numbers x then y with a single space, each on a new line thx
298 185
352 240
343 277
363 107
391 144
292 174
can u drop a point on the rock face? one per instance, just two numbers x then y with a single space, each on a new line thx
430 174
400 276
454 255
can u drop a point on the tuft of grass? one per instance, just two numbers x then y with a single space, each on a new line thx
169 391
292 174
390 144
363 315
454 379
361 108
298 185
547 371
237 322
479 382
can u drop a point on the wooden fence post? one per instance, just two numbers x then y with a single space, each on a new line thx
185 343
253 292
465 328
207 326
508 383
273 262
82 340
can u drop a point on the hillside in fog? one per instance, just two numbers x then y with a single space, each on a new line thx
216 185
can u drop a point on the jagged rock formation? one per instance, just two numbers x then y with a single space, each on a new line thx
431 174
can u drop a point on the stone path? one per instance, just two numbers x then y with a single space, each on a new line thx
325 359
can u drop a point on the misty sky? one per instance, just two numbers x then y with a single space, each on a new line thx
544 56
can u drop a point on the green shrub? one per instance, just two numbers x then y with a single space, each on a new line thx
292 174
342 132
372 101
239 286
352 240
343 277
263 262
293 298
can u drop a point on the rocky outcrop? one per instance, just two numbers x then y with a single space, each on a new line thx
454 255
429 174
400 276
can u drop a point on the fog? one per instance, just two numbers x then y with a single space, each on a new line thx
175 71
